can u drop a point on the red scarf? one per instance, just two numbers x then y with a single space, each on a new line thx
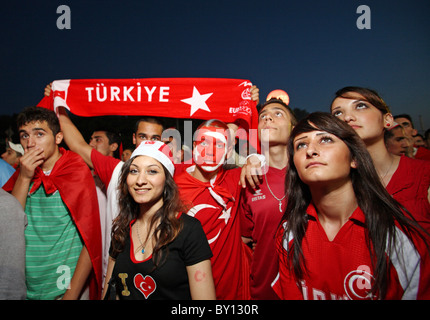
228 100
191 188
73 180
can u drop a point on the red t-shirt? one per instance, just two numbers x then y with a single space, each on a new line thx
103 166
215 205
341 269
422 153
260 218
409 186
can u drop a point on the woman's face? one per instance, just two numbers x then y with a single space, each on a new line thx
146 180
362 116
321 157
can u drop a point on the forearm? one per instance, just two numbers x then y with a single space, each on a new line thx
111 264
73 137
20 190
80 276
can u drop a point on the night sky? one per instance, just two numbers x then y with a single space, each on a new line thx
308 48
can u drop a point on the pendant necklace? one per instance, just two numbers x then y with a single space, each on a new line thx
280 200
142 245
391 164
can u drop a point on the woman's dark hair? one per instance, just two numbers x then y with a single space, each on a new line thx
169 226
369 95
380 209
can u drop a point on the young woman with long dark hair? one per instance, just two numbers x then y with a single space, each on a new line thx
156 252
406 179
343 236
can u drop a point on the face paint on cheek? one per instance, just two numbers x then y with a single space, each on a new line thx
209 152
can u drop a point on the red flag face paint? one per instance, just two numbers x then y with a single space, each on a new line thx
210 148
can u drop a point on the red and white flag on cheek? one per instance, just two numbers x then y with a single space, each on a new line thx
228 100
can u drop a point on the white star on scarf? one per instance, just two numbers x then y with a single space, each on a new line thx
197 101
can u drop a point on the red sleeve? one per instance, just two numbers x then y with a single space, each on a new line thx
103 166
285 284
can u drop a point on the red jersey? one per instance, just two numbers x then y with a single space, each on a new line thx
261 215
215 204
422 153
409 185
342 269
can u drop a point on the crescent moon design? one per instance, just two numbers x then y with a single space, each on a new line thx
214 238
193 211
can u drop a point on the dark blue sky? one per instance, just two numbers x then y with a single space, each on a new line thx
308 48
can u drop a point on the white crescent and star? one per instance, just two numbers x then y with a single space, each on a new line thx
226 214
198 101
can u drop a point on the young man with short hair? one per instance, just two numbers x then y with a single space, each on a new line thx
56 189
405 121
262 207
12 154
105 142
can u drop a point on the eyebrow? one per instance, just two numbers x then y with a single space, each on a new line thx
34 129
151 165
140 134
404 122
274 108
318 134
354 102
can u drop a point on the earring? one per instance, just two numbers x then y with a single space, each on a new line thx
388 125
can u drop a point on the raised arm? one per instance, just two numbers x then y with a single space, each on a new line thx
73 138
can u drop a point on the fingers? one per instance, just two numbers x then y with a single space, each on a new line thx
251 175
48 89
255 94
30 161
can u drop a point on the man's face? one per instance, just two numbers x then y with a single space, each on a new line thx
398 144
210 148
274 124
10 156
147 131
100 142
419 142
38 134
407 126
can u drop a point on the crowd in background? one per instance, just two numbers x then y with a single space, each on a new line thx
334 206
